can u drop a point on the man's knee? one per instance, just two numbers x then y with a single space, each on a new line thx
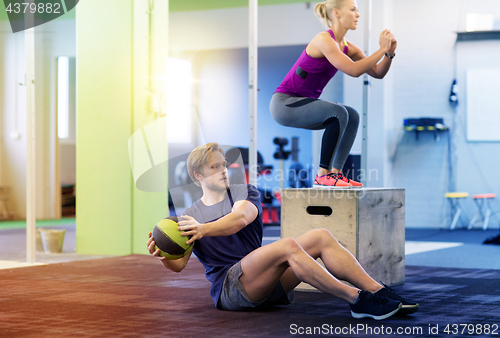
324 236
290 245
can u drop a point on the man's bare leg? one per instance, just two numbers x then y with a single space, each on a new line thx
320 243
262 269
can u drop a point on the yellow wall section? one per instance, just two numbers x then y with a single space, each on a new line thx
113 218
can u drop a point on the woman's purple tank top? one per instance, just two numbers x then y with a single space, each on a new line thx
309 75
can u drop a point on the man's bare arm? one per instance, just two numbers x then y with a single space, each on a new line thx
242 214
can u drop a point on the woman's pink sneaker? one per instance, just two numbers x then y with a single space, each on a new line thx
353 183
331 181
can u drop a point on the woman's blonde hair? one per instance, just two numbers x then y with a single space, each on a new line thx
199 157
323 11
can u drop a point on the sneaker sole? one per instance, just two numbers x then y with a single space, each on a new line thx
387 315
408 309
317 186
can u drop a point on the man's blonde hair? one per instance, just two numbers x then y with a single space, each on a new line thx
199 157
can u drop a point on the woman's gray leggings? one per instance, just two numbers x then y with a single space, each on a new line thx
339 121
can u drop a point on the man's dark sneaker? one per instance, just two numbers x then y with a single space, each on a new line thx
408 306
370 305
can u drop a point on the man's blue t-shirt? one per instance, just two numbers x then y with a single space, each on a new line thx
218 254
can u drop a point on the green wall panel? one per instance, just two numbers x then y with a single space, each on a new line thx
113 217
104 115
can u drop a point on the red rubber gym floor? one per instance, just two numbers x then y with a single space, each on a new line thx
134 296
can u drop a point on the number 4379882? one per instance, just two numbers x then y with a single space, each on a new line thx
464 329
34 8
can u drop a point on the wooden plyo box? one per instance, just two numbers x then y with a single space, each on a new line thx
369 222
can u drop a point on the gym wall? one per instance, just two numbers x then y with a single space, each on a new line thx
423 73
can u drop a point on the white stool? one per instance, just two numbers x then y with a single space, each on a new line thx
483 203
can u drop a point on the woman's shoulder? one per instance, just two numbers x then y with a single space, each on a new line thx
324 36
324 39
321 44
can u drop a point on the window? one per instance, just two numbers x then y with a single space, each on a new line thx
178 97
63 97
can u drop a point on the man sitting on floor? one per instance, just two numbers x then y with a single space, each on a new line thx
226 226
